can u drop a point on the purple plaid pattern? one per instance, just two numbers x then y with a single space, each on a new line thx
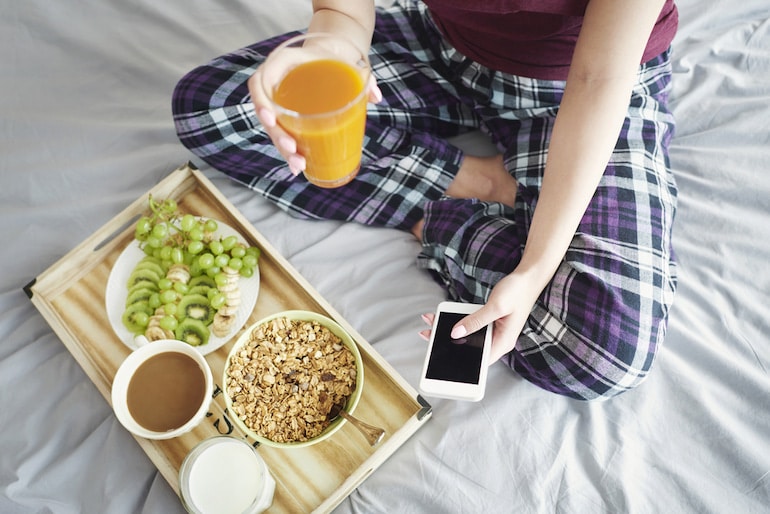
596 328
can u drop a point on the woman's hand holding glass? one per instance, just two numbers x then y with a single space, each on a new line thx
266 113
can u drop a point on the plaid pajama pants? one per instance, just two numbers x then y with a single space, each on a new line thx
596 328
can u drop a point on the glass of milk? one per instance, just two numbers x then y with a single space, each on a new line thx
225 475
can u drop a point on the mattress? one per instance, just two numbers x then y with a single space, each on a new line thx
86 129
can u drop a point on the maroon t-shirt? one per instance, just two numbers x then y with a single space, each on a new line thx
534 38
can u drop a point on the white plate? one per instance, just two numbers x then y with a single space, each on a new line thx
117 292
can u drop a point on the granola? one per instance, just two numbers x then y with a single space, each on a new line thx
285 379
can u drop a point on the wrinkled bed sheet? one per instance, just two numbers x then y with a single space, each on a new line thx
86 128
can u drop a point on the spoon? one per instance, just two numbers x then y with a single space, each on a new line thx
373 434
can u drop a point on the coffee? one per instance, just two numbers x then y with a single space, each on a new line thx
166 391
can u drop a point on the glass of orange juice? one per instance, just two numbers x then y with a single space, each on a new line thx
317 84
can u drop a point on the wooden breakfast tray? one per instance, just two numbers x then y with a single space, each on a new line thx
71 296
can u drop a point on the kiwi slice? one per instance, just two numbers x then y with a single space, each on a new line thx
144 284
139 276
139 294
197 307
152 264
192 331
202 290
202 280
136 317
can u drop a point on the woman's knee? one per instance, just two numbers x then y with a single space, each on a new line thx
591 340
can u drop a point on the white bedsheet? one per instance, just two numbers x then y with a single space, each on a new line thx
85 128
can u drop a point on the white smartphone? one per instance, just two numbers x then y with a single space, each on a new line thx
456 368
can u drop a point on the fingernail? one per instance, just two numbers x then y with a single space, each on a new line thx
377 94
267 117
287 144
296 164
458 332
426 319
423 336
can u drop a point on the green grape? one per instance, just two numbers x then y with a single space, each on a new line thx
169 205
165 284
229 242
218 301
211 293
168 322
247 272
141 319
181 288
195 247
196 234
238 251
195 269
148 250
154 242
187 223
210 226
165 253
206 261
253 250
250 261
160 231
170 308
177 255
216 247
143 226
235 263
220 279
168 296
221 260
154 301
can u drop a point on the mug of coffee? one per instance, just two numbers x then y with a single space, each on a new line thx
162 389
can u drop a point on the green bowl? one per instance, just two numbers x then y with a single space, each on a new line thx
353 399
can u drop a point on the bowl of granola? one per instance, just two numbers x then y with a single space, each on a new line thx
286 373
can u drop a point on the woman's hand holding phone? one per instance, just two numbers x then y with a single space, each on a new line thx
455 368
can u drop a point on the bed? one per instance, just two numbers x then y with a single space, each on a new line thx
86 129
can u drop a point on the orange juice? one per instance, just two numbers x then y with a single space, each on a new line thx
323 106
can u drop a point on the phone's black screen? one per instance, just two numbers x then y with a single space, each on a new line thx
455 360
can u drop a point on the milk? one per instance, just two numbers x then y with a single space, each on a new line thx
225 475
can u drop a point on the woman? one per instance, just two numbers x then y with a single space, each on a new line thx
565 235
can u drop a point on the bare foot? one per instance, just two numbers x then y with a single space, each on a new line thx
417 229
484 178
